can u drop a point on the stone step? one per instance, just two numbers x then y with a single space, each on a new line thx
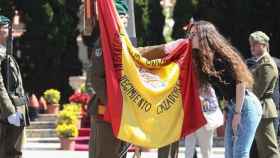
218 142
42 125
42 146
81 147
43 140
78 140
46 117
40 133
82 140
84 132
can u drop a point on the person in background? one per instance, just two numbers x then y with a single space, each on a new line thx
13 101
251 63
218 63
276 99
204 135
266 75
103 143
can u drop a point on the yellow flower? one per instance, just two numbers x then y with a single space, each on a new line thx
67 130
52 96
67 117
67 121
74 107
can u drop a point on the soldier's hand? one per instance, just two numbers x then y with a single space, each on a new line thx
15 118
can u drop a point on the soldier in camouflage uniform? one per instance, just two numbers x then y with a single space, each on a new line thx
103 143
13 103
265 73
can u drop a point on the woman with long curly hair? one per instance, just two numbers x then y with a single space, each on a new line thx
218 63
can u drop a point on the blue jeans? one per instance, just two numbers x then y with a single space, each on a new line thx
239 146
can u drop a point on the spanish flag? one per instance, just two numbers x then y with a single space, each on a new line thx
151 103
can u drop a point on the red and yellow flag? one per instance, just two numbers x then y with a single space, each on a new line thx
151 103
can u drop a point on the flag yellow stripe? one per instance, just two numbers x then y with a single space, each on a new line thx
151 117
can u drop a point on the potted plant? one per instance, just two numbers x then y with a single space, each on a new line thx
52 97
67 133
66 129
33 107
76 110
80 98
43 105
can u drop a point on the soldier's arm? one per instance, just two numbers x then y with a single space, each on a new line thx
88 83
265 76
90 78
152 52
158 51
6 106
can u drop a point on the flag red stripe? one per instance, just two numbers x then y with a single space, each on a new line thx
111 47
193 116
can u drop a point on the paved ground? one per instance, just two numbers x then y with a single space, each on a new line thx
69 154
51 150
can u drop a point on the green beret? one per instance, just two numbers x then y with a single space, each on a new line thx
259 37
121 6
4 20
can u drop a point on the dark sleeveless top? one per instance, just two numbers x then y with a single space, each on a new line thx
225 85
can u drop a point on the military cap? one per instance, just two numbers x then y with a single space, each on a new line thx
4 20
121 6
259 37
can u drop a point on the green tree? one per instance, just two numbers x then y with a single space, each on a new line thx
234 19
141 20
48 47
6 8
156 23
183 11
149 22
49 50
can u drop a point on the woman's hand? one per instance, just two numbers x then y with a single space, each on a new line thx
240 96
225 117
235 123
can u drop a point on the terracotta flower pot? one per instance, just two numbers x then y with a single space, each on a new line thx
43 105
53 108
79 122
221 131
67 143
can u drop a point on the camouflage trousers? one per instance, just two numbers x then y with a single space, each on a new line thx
103 143
11 141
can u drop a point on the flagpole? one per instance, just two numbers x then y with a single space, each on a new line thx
131 30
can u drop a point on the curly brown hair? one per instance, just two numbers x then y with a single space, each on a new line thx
211 43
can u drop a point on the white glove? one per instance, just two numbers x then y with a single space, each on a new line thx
14 119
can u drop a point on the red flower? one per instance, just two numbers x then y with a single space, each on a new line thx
80 98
